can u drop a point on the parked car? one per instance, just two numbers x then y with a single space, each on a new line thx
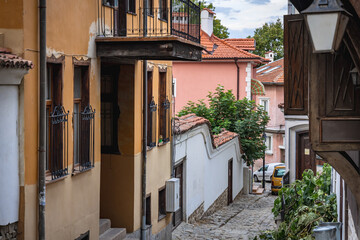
269 169
276 181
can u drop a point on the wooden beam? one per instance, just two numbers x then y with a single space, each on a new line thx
356 6
149 50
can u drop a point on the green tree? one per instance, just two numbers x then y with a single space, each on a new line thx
219 30
241 116
270 37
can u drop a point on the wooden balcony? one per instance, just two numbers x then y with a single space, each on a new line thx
170 33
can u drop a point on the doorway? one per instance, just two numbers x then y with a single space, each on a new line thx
230 182
305 156
178 215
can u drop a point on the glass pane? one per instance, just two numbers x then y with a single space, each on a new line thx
106 85
76 132
77 82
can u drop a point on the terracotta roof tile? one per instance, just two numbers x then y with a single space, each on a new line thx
8 60
188 122
209 10
272 72
242 43
217 48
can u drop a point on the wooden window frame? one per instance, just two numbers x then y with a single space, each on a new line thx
161 205
148 210
83 102
58 64
164 125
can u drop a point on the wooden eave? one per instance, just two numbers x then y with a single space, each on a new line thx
149 48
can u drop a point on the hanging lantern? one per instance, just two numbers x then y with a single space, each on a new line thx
326 21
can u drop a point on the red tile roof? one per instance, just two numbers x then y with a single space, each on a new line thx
9 60
242 43
217 48
188 122
209 10
272 72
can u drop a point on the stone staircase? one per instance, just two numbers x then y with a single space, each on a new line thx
108 233
257 190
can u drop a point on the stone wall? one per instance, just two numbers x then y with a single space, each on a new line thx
197 214
8 232
220 202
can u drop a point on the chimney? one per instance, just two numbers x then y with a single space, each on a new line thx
207 21
269 55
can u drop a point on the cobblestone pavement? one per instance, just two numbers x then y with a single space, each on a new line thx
248 216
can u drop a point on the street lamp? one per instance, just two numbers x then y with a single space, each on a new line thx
326 21
355 77
263 179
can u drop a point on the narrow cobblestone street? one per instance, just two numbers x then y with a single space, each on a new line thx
248 216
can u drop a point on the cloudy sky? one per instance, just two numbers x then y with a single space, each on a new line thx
242 17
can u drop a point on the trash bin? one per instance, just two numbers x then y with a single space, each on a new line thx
338 226
325 233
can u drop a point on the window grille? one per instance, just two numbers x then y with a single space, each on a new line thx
58 162
85 142
152 124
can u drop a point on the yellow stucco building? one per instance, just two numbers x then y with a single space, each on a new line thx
94 113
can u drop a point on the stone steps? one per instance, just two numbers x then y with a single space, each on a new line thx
108 233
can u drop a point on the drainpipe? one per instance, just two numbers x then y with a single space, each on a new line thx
42 120
238 79
145 123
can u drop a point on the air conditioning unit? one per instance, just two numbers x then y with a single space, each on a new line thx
172 195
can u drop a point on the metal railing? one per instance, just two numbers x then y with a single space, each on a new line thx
85 141
58 162
181 19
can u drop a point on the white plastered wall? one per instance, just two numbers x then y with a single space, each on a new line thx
206 169
293 124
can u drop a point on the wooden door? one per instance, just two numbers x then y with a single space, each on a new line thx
305 158
230 181
178 215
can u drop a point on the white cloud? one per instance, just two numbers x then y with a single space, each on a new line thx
239 15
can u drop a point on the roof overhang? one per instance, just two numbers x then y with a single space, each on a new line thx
149 48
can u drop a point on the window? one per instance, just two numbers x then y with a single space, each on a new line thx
83 121
265 103
269 144
109 110
148 210
162 203
150 7
57 124
151 127
131 6
164 111
163 11
110 3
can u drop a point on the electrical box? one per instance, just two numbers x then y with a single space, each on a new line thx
172 195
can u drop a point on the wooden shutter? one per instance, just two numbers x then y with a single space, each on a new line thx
297 48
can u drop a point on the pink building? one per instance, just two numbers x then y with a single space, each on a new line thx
272 77
226 62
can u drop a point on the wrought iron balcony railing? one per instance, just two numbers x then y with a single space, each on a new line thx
181 19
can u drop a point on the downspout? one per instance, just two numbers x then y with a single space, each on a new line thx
42 120
238 79
145 123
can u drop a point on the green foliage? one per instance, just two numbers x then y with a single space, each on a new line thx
219 30
241 116
270 37
307 203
